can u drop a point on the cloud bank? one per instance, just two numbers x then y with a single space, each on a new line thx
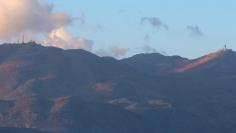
62 39
113 51
33 17
19 16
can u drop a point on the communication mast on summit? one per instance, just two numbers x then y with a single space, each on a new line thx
23 39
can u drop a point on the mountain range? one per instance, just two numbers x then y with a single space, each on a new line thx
51 90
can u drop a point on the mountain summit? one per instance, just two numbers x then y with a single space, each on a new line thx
154 63
216 62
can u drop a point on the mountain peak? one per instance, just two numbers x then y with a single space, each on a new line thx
203 60
154 63
222 52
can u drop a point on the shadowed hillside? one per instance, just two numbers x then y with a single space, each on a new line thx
67 91
18 130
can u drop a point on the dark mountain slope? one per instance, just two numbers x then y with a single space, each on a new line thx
67 91
154 64
19 130
52 89
217 64
35 65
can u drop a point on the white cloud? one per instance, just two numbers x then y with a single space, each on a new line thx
21 16
119 52
113 51
148 49
62 39
37 20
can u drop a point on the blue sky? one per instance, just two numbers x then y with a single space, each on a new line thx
118 23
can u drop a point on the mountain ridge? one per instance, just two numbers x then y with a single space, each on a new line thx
203 60
63 91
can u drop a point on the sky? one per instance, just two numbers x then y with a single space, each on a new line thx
122 28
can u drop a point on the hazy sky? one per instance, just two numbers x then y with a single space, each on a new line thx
188 28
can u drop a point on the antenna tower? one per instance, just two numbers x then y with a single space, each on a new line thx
23 39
